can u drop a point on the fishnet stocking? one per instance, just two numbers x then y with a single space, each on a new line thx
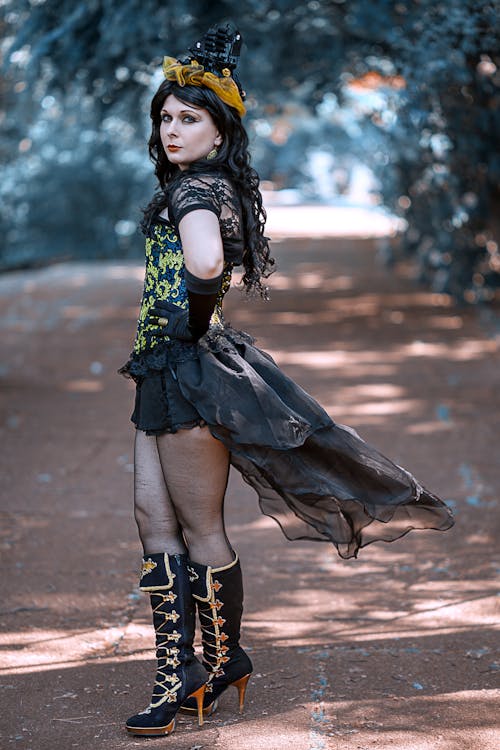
157 523
196 469
180 482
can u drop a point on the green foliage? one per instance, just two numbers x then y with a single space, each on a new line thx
410 88
77 191
444 166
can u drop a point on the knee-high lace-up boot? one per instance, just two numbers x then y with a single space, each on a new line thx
219 596
180 675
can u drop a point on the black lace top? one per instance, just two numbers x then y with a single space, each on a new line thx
164 278
215 193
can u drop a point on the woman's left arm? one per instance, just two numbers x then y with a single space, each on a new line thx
204 261
203 265
202 243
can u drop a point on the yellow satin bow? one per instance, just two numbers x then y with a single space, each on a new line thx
196 75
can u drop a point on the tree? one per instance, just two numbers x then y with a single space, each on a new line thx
444 166
429 131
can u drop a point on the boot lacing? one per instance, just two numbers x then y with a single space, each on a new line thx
213 636
166 654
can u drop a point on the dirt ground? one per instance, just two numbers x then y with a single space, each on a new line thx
393 650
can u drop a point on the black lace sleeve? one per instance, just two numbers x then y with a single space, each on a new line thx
213 193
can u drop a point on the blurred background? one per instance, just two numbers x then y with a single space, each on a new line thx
391 108
374 127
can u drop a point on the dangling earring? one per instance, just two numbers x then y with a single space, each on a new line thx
212 154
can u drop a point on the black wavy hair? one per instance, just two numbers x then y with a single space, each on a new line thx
232 159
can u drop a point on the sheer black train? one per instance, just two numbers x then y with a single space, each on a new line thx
318 479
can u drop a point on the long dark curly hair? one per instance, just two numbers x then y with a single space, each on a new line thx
232 159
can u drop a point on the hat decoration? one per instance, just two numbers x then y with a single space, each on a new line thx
211 63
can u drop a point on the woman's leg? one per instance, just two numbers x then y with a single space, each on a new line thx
196 468
154 513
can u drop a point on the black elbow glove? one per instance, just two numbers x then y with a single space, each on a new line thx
202 296
191 324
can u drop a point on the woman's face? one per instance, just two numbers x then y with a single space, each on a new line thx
187 132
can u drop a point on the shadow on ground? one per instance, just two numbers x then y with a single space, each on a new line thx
395 649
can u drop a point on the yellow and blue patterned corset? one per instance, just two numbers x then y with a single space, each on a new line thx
164 280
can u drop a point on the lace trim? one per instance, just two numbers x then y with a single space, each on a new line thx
217 338
157 359
211 191
224 339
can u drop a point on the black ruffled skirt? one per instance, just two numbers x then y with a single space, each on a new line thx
319 480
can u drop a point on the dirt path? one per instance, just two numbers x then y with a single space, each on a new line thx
393 650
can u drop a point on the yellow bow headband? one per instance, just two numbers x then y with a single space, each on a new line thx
196 75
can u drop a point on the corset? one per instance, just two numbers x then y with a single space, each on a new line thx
164 280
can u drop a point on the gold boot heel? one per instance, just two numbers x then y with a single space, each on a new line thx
198 695
241 686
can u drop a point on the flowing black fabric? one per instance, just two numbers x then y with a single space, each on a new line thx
319 480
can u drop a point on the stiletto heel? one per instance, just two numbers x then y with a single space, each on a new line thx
198 695
241 686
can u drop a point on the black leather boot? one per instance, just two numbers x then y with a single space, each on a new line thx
180 675
219 596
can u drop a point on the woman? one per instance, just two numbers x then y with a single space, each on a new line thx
206 397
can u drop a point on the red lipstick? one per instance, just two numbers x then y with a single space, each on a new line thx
173 148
